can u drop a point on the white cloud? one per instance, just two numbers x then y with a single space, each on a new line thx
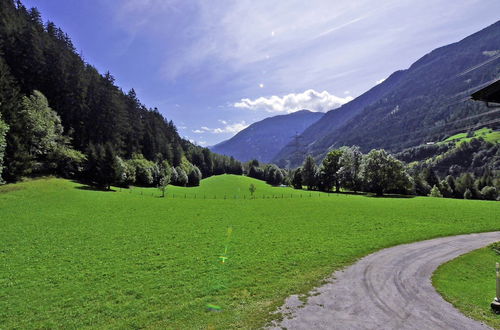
228 128
379 81
200 143
243 33
310 99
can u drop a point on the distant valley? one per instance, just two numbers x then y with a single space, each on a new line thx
264 139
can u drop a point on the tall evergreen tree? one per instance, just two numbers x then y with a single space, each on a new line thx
309 169
430 176
297 178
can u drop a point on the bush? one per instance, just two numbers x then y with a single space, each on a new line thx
489 193
126 172
66 161
194 176
445 189
435 192
182 178
145 170
468 194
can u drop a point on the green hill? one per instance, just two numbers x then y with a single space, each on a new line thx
74 257
228 186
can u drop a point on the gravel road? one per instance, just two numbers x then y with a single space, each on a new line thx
389 289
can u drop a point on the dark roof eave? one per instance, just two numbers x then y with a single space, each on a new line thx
490 93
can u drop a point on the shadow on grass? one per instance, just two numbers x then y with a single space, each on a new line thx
389 196
92 188
360 193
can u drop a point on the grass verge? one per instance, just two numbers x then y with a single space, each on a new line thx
468 282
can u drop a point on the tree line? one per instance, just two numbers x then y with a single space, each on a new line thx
378 172
59 115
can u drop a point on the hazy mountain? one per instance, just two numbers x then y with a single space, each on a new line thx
426 102
263 139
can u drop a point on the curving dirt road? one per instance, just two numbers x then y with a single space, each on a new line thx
389 289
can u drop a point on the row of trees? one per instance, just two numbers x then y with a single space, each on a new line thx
40 66
348 168
104 168
466 185
270 173
48 151
379 172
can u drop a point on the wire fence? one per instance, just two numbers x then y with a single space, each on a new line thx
176 195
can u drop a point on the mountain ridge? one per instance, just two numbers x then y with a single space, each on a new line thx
263 139
412 106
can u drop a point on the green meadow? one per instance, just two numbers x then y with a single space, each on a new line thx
485 133
75 257
468 282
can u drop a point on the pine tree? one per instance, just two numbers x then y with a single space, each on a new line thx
297 178
309 169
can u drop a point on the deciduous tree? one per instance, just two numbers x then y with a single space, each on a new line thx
329 170
350 162
382 172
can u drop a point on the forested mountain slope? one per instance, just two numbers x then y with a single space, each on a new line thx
426 102
93 111
263 139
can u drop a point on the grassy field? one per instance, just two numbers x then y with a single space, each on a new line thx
486 133
468 282
229 187
74 257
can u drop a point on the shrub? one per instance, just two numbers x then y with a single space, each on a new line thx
145 170
435 192
489 193
194 176
182 178
468 194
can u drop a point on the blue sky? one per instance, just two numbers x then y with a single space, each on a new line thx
214 67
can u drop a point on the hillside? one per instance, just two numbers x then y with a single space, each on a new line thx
263 139
58 107
427 102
